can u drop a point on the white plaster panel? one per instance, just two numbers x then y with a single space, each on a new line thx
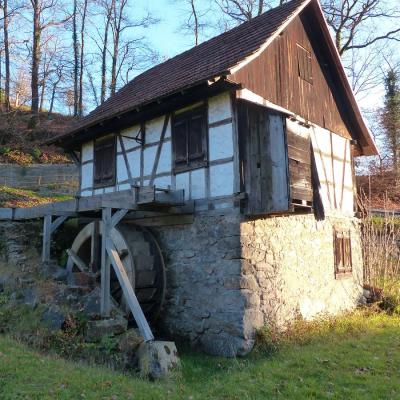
221 179
149 157
164 163
162 182
122 174
321 142
109 189
124 186
221 142
219 107
182 182
154 129
99 191
198 184
86 193
87 176
87 151
131 132
134 162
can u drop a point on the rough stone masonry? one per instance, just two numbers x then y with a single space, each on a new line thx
227 275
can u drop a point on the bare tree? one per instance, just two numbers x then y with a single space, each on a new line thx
242 10
44 16
8 14
358 24
82 54
194 14
120 22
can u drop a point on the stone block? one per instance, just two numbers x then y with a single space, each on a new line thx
53 318
158 359
105 327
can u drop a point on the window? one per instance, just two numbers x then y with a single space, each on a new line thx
304 64
342 248
189 135
104 161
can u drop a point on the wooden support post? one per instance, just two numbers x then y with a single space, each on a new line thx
105 264
95 247
129 293
46 238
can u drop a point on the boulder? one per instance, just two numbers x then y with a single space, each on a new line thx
106 327
128 344
91 305
157 359
53 318
60 275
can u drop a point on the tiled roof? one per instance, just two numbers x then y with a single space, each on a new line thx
205 61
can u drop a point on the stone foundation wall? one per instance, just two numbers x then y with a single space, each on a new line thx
204 303
228 276
289 264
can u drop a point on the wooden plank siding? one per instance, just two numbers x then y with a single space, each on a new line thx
274 75
263 159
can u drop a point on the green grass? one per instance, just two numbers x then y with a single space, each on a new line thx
354 357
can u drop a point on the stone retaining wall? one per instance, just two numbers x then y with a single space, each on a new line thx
38 175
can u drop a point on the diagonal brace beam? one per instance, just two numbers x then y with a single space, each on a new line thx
116 218
129 293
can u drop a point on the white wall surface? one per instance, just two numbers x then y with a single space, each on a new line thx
213 181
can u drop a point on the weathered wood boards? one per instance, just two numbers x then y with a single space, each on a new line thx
124 199
263 159
299 154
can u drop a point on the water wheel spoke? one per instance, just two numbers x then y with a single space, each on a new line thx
78 261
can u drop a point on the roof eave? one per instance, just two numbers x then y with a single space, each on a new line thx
67 141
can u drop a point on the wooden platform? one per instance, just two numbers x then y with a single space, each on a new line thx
138 198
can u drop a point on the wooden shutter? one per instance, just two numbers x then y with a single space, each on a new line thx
180 132
304 64
196 134
299 154
104 161
189 135
342 252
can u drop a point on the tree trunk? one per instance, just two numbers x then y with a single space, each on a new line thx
80 105
7 55
196 23
104 55
35 60
53 95
76 57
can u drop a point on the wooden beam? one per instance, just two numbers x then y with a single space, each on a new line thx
129 293
128 168
46 238
117 217
58 222
123 199
95 247
78 261
105 264
159 148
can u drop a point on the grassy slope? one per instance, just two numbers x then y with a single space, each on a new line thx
12 197
360 359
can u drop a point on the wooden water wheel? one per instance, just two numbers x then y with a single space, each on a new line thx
140 255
